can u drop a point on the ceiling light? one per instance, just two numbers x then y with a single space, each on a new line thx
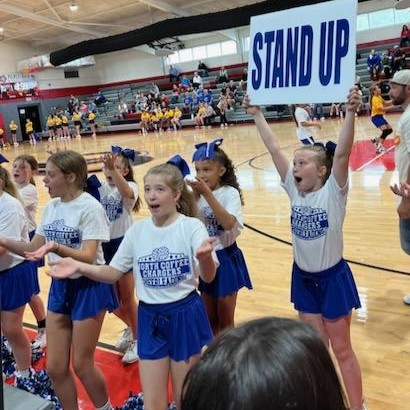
73 7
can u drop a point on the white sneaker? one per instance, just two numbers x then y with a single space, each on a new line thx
126 338
131 354
40 342
406 300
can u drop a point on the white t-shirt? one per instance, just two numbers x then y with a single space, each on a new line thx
117 208
13 225
162 258
302 115
71 223
29 196
316 222
403 144
230 199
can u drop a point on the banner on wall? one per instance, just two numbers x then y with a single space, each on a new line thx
18 86
42 62
303 55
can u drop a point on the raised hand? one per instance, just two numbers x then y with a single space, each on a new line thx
354 99
109 161
199 186
251 109
207 246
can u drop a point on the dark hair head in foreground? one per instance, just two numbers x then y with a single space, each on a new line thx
268 363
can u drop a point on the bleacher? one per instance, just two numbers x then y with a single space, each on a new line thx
107 115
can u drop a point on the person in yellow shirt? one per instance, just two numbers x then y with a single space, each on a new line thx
77 122
64 124
379 106
29 131
91 121
50 127
176 120
145 121
58 127
3 139
13 129
199 118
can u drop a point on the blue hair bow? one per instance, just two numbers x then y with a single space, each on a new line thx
329 147
180 163
206 150
127 152
3 159
91 186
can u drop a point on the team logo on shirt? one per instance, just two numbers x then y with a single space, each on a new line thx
113 207
163 269
64 235
212 225
309 223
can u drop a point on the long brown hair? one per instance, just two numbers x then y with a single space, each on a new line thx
229 177
130 177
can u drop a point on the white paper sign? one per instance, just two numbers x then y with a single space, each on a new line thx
303 55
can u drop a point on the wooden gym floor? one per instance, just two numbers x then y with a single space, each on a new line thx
381 329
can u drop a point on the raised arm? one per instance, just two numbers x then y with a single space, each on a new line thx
346 137
119 181
270 140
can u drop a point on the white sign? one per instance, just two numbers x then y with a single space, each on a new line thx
303 55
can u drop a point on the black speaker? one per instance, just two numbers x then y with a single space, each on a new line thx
71 74
17 399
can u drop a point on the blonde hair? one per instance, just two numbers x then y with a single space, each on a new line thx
323 157
173 178
9 186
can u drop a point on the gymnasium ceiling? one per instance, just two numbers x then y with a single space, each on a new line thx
50 24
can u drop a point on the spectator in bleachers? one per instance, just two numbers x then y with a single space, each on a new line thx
200 115
399 58
92 106
404 36
208 97
230 98
100 99
175 94
173 73
318 112
222 76
122 109
387 64
374 65
200 93
244 79
155 91
164 100
334 110
203 69
222 107
176 120
188 103
72 104
185 84
83 108
196 80
232 87
209 115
